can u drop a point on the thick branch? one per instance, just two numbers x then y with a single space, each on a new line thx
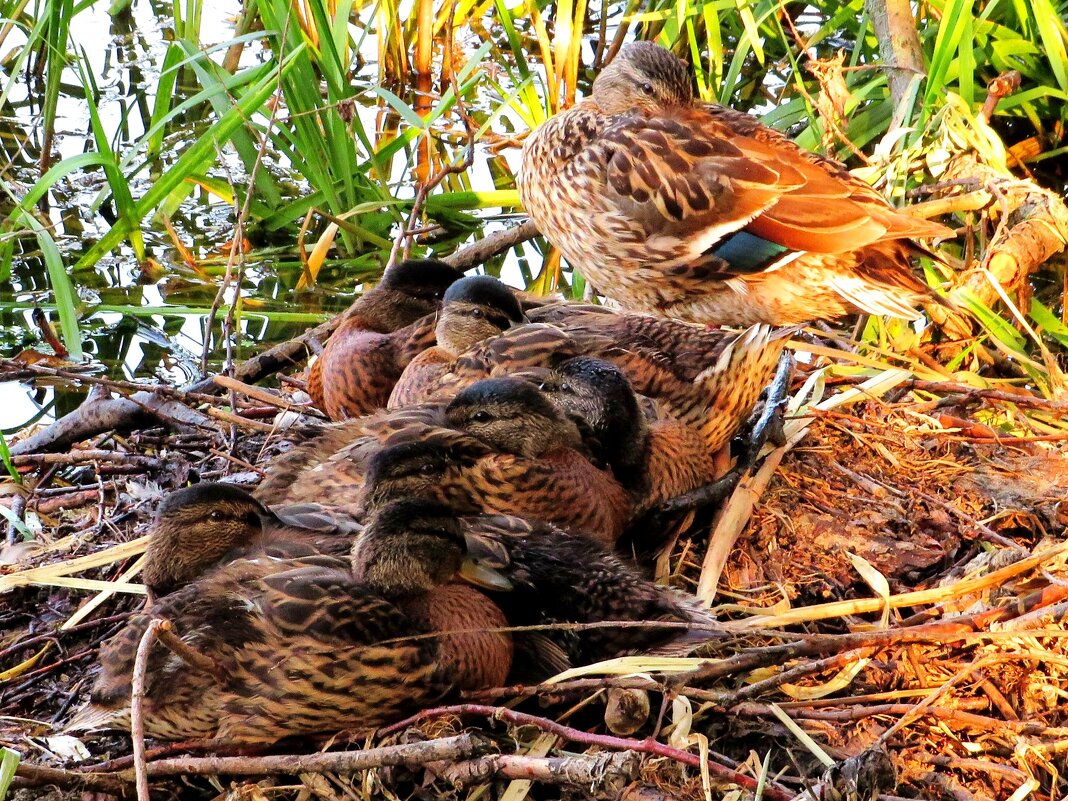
463 746
602 775
899 44
1034 228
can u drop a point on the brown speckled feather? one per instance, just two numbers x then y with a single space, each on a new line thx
331 463
358 367
299 648
439 377
707 379
678 461
420 379
560 487
561 577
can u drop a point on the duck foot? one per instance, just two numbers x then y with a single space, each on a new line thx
714 493
767 424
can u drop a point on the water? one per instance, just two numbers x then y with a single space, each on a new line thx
146 320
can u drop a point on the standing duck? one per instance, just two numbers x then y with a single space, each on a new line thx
691 210
300 647
383 331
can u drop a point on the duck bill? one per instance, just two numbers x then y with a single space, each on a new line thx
485 577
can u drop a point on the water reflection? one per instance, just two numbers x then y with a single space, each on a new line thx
145 321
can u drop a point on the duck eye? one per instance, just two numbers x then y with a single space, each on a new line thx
647 88
478 314
426 469
216 515
481 416
565 387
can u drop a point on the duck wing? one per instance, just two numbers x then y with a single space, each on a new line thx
740 192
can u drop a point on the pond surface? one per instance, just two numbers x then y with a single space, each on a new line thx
145 320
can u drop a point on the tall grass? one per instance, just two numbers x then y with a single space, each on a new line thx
358 147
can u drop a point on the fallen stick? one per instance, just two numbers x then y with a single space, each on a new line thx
462 746
604 774
646 746
30 775
137 697
98 415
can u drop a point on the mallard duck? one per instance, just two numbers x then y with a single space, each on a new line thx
330 462
517 454
695 211
208 524
474 309
300 648
655 460
388 326
511 448
708 380
559 577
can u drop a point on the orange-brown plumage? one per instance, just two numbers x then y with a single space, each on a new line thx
382 332
516 455
699 212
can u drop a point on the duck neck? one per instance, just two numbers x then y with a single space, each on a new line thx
624 449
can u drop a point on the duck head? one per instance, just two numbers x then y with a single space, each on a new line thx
408 291
598 393
513 416
413 545
476 308
642 76
424 468
197 528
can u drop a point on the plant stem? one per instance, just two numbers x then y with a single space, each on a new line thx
899 44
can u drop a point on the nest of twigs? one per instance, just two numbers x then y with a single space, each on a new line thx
894 583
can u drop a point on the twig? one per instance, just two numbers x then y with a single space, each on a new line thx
184 651
18 507
40 775
263 396
647 746
602 774
79 456
998 89
899 44
960 719
137 697
463 746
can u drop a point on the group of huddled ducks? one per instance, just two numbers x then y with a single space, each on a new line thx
494 449
490 451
